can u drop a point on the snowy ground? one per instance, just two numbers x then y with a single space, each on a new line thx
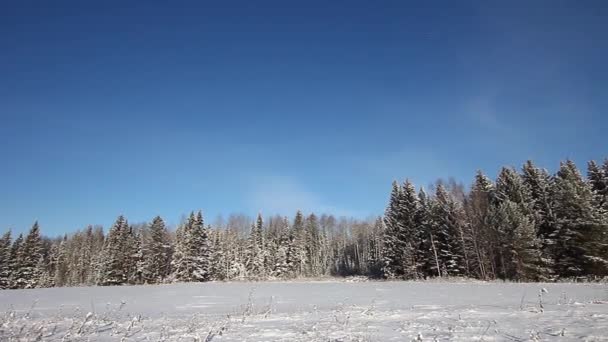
308 311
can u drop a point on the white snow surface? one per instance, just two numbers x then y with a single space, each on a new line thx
309 311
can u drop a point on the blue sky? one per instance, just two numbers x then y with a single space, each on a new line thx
158 108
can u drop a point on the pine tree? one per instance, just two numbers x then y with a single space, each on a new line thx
217 263
429 265
97 255
16 262
61 265
297 251
31 255
113 270
255 250
515 219
520 246
410 231
156 255
581 234
192 251
392 267
446 217
133 255
539 184
282 267
598 179
400 244
510 187
479 234
43 273
5 259
85 261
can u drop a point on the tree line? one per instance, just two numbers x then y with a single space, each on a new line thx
527 225
276 248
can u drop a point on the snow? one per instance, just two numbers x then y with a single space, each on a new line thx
309 311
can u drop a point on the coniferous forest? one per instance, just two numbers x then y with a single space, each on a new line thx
527 225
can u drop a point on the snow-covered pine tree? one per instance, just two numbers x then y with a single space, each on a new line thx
31 255
479 234
392 266
297 251
60 261
598 179
255 250
429 264
96 257
204 270
521 248
179 251
16 261
282 267
581 232
156 264
43 273
410 231
216 259
539 184
86 256
401 232
510 186
446 218
133 255
516 229
112 270
192 251
5 260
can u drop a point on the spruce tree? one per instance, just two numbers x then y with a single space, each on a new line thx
217 263
61 265
515 220
16 262
519 247
510 187
133 255
581 233
86 256
156 256
429 264
297 251
478 207
255 250
401 220
31 255
539 184
598 179
410 231
446 220
392 266
313 246
5 259
283 262
192 251
113 270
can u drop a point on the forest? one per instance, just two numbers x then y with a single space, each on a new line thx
526 225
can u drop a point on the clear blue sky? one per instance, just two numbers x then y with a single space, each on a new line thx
146 108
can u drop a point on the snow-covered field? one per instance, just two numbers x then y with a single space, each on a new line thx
308 311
